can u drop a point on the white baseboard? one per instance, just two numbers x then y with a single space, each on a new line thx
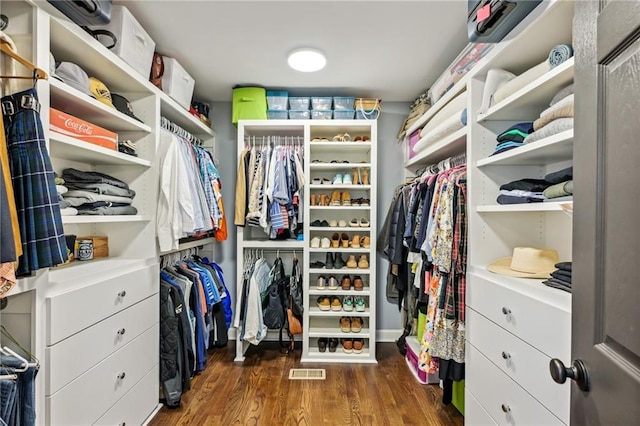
381 335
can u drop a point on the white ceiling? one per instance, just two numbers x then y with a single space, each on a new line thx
392 50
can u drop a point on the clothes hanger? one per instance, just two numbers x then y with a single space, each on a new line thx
9 336
37 73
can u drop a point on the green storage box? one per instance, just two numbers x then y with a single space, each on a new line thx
458 396
249 103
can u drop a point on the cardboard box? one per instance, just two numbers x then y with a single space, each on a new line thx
100 245
66 124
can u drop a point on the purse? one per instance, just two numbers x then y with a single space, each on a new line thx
157 70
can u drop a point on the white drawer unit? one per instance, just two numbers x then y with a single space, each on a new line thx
474 411
73 311
136 405
502 398
543 325
87 398
71 357
520 361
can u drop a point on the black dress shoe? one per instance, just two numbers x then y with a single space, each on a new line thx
316 264
316 222
329 261
324 223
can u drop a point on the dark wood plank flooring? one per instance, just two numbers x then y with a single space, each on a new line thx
259 392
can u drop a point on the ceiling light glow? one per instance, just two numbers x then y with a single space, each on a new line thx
306 60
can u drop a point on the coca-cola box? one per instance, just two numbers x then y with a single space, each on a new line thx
66 124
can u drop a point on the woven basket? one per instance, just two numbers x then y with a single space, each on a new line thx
368 104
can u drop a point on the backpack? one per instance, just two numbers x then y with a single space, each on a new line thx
276 300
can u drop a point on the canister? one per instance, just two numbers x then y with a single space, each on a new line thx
85 249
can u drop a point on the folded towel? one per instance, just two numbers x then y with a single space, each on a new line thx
562 93
560 176
556 126
509 199
564 266
496 78
68 211
564 112
560 54
517 132
559 190
567 100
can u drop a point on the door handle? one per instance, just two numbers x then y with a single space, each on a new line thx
577 372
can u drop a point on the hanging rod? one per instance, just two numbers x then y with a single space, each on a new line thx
169 125
447 163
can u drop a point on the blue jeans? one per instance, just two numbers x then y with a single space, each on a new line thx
23 412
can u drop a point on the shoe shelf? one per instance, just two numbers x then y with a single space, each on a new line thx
314 311
332 186
338 356
339 228
313 291
340 207
343 250
349 147
290 244
558 147
336 166
339 271
63 146
336 332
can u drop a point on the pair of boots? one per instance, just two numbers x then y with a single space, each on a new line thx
334 261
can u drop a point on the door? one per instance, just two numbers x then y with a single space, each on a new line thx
606 246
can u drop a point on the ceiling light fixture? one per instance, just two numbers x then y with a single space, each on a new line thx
307 60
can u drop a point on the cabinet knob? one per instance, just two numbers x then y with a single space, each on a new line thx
123 293
577 372
506 355
122 331
123 424
505 408
506 310
121 376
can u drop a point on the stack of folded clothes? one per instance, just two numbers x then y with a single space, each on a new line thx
65 206
556 186
513 137
94 193
419 106
128 147
555 119
561 277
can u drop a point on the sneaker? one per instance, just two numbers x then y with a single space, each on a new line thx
323 303
347 345
359 304
356 324
358 344
321 283
325 242
315 242
333 283
345 324
347 303
336 304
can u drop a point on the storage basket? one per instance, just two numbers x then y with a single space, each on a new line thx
249 103
367 108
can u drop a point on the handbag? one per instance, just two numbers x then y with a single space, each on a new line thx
157 70
295 289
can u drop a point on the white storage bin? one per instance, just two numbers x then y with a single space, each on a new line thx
133 44
177 83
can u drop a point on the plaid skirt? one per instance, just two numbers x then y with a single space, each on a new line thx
41 229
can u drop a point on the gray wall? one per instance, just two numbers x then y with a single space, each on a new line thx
390 175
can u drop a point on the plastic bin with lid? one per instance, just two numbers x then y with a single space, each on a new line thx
321 114
298 103
277 100
345 114
343 103
321 103
276 114
299 114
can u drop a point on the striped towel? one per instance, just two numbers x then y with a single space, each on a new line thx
559 54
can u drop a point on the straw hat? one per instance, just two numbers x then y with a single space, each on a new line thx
526 262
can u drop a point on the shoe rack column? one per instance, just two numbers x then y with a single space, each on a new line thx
340 233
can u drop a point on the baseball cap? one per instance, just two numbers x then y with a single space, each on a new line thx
100 91
72 75
123 105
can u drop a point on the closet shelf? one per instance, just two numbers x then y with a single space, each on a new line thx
313 291
73 149
529 207
343 271
337 166
314 311
339 355
274 244
105 219
527 103
72 272
190 244
343 250
180 116
340 208
66 98
338 228
320 186
335 331
556 148
346 147
447 147
530 287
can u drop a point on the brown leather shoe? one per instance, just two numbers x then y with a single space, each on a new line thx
356 324
344 240
346 282
358 344
345 324
358 284
347 345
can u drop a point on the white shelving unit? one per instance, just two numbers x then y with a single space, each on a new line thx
324 324
46 312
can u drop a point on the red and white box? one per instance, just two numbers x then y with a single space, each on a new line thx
68 125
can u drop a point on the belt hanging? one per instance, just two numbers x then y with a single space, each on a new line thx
13 106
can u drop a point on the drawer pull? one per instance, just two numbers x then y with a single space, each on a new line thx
505 408
506 310
123 424
122 331
123 293
121 376
506 355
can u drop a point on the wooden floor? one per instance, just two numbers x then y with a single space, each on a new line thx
259 392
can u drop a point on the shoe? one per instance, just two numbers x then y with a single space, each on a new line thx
358 284
363 263
356 176
345 197
326 181
354 223
344 239
336 304
333 283
322 344
316 222
323 303
333 223
356 324
342 223
316 181
346 282
358 344
337 179
365 176
314 200
325 242
364 201
347 346
366 242
335 198
333 344
315 242
329 261
335 240
346 179
355 242
338 263
345 324
347 303
321 283
324 223
316 264
351 262
359 304
364 223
